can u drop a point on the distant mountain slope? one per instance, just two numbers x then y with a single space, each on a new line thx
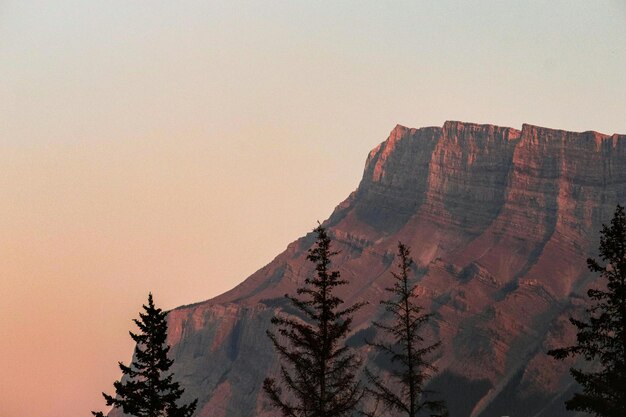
500 222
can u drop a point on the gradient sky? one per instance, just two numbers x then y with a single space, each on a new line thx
176 147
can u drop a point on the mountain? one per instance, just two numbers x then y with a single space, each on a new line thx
500 222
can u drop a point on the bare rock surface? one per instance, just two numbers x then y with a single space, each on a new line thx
500 222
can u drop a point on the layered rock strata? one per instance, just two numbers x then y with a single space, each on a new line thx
500 222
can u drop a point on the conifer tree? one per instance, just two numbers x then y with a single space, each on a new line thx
404 392
602 337
318 370
148 390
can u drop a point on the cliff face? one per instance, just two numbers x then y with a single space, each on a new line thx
500 222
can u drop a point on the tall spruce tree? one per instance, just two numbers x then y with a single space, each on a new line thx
318 370
404 393
148 390
601 338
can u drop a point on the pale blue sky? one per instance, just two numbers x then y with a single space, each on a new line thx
178 146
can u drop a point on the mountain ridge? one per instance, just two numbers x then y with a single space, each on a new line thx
500 222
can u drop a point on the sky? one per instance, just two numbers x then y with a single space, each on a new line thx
177 147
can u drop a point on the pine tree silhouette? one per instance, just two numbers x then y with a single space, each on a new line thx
602 338
147 389
404 393
318 370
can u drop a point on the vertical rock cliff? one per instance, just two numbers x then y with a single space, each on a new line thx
500 222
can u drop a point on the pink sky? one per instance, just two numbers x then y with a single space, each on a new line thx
154 146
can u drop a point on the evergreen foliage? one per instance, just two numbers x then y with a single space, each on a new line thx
602 338
318 370
404 393
147 390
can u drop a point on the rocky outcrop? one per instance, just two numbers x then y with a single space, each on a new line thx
500 222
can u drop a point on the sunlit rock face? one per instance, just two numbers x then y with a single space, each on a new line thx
500 222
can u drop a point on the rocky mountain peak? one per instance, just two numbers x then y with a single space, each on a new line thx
500 222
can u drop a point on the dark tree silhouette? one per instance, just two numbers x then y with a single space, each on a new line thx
318 370
404 393
147 389
602 337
